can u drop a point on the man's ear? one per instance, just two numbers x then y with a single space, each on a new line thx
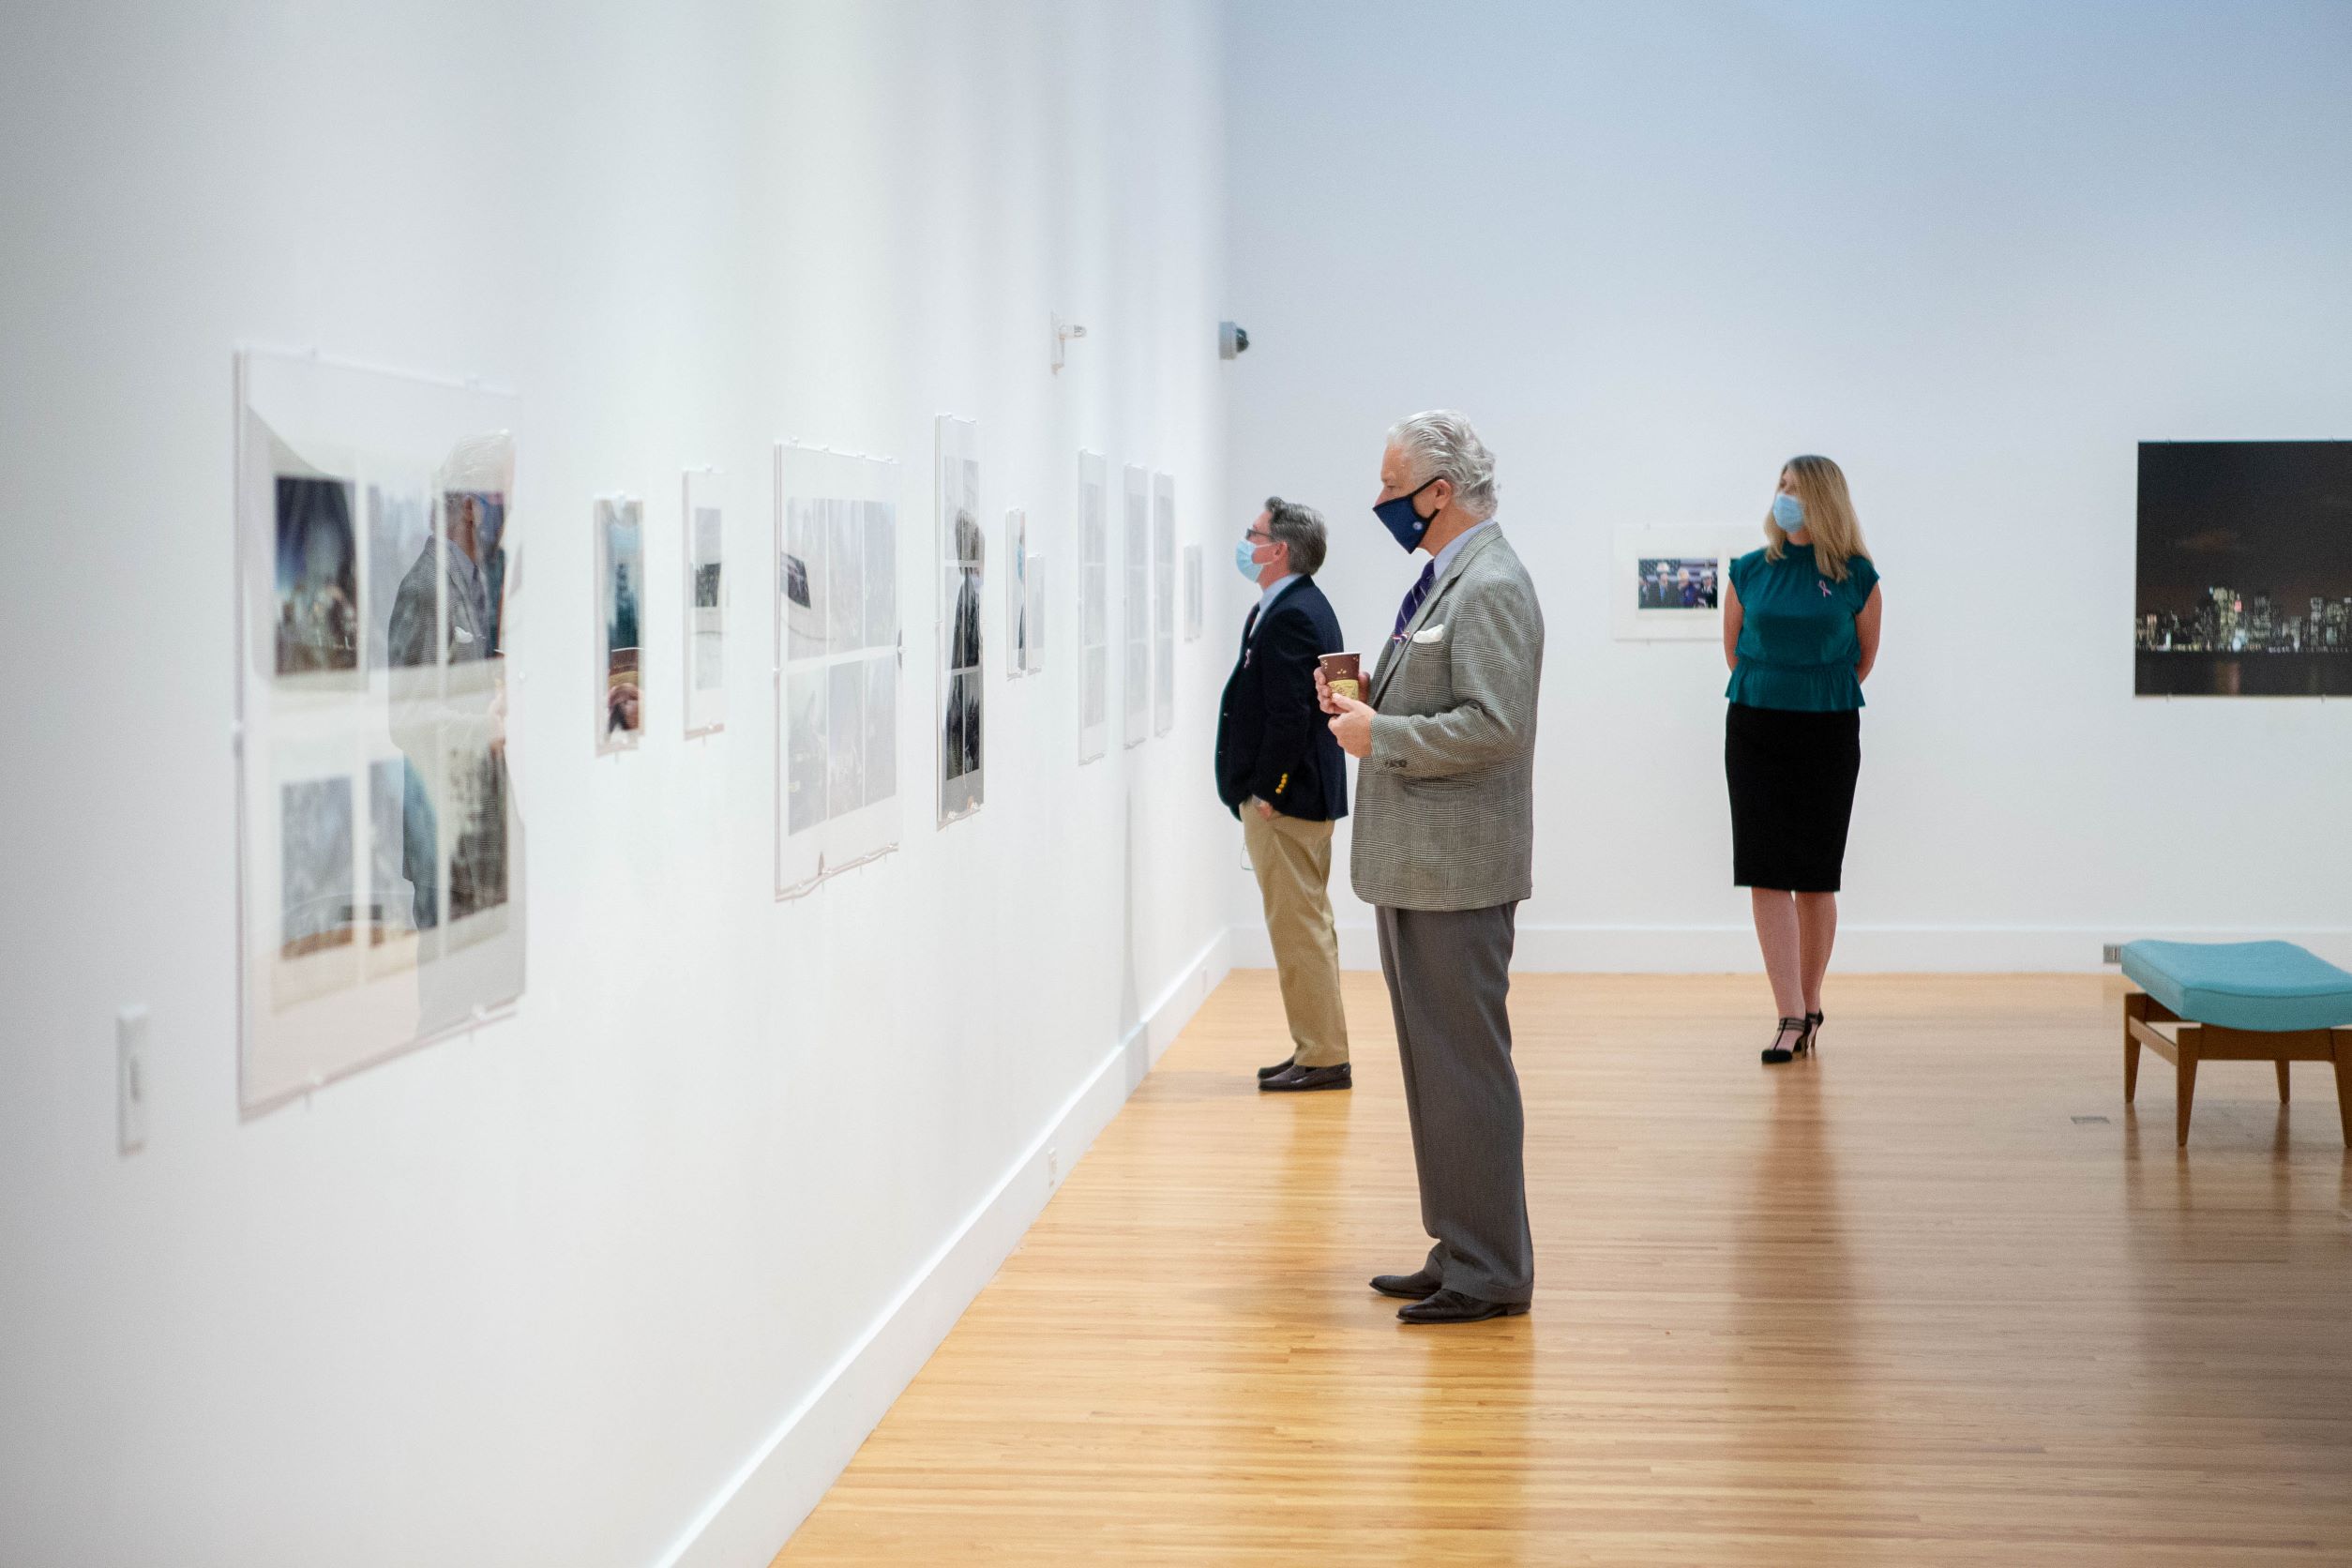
1443 490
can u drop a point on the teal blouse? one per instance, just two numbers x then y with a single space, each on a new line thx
1798 646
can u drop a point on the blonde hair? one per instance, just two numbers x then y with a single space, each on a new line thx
1830 522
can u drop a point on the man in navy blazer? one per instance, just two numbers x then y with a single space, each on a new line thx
1281 771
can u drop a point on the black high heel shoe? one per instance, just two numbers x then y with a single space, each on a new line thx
1775 1054
1813 1027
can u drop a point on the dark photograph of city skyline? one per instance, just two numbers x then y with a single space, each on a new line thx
2245 569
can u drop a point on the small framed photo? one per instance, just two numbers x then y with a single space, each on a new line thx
1669 584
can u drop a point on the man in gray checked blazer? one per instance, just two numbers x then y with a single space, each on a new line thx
1445 826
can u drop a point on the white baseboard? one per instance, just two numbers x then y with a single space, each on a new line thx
756 1511
1862 949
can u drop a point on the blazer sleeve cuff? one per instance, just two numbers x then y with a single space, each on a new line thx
1391 750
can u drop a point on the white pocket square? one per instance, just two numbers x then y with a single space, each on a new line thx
1431 634
464 635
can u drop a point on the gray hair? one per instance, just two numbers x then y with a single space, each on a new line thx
1441 444
1302 529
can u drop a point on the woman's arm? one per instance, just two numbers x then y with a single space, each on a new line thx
1731 623
1866 632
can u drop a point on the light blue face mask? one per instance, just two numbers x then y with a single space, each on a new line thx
1789 513
1242 562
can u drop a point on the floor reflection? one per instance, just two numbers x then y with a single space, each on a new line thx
1794 1364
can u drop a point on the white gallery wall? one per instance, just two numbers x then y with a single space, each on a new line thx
1975 250
623 1280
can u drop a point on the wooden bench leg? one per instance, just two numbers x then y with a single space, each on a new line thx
2344 1082
2183 1094
2132 1044
2282 1066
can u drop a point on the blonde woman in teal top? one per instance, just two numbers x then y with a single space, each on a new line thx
1801 633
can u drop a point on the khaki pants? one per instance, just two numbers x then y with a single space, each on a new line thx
1292 859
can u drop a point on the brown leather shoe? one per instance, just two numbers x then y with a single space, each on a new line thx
1452 1306
1299 1080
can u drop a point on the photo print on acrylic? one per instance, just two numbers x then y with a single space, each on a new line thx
2245 573
1093 606
705 619
1136 611
1194 592
964 558
1671 582
620 522
400 525
318 577
839 644
1034 592
1017 593
397 854
379 884
319 908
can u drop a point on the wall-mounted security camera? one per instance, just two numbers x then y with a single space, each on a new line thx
1233 340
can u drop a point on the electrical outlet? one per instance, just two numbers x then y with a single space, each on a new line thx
1053 1168
130 1077
2112 953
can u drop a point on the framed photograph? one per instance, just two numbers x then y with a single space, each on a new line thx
704 621
1668 584
2244 572
620 526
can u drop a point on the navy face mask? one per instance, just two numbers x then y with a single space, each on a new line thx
1405 525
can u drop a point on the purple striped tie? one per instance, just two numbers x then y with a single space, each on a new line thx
1412 600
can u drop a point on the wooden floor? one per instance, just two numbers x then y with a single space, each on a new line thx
1934 1298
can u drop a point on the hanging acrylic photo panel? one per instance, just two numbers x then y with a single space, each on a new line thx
1163 603
1017 593
374 547
838 667
703 624
1094 584
1194 592
620 654
963 556
1034 588
1135 606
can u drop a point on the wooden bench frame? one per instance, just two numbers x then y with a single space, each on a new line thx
2209 1042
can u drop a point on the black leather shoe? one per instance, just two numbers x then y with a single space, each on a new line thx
1796 1031
1452 1306
1418 1286
1282 1066
1299 1080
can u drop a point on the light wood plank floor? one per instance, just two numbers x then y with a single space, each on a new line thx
1896 1305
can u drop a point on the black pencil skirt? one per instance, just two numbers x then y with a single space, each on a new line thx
1792 794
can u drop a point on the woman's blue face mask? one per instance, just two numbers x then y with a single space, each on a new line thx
1789 513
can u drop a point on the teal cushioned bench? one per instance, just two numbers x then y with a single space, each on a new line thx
2264 985
2235 1002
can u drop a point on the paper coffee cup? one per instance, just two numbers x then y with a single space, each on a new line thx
1342 673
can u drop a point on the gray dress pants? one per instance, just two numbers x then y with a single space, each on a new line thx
1449 977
